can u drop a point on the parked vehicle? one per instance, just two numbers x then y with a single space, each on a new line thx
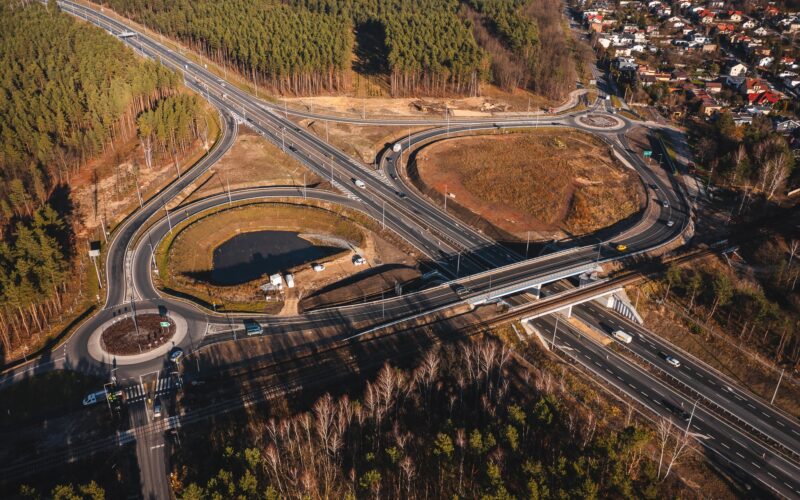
157 409
622 336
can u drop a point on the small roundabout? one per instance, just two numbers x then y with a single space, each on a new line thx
133 338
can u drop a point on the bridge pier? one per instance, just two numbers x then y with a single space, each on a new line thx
536 291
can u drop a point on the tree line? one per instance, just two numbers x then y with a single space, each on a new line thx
288 49
752 157
68 93
467 422
305 46
764 317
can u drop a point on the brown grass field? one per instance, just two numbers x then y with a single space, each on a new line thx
555 180
252 161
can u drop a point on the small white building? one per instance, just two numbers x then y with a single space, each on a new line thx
276 280
289 280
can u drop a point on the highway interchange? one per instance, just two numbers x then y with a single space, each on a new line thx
759 444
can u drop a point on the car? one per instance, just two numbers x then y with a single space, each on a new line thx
176 355
673 361
665 203
318 267
670 223
461 290
252 327
394 177
359 183
359 260
654 187
621 247
401 195
157 409
622 336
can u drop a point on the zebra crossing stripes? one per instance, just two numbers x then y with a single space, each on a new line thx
164 385
134 393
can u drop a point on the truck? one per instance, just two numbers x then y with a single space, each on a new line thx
397 147
622 336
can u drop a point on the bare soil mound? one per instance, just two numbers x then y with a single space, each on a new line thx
126 337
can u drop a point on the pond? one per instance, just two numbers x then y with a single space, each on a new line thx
248 256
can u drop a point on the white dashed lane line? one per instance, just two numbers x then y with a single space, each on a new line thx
772 475
725 445
751 406
755 464
740 454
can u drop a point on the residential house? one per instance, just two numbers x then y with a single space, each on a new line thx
737 70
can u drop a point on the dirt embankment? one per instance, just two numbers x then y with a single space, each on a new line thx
252 162
547 182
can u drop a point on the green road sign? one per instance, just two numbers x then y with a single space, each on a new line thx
648 153
164 324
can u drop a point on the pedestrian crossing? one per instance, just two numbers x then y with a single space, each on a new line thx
164 385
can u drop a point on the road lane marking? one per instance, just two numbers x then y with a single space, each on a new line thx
757 466
740 454
781 424
725 445
751 406
632 386
157 446
765 414
772 475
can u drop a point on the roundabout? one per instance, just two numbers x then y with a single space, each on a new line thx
125 349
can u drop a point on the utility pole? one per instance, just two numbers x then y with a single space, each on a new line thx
458 263
553 344
228 182
169 221
283 139
139 193
103 227
445 198
776 387
327 136
304 186
383 214
689 423
527 244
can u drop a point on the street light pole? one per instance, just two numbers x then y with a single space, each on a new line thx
553 344
776 387
458 263
527 244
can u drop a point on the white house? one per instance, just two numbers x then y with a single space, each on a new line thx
738 69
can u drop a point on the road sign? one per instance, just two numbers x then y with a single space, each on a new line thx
648 153
164 324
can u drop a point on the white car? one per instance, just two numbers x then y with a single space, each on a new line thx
622 336
670 223
359 260
359 183
673 361
318 267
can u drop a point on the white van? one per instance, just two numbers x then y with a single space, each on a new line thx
360 184
94 397
622 336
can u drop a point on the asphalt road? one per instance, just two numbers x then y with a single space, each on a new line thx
752 462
